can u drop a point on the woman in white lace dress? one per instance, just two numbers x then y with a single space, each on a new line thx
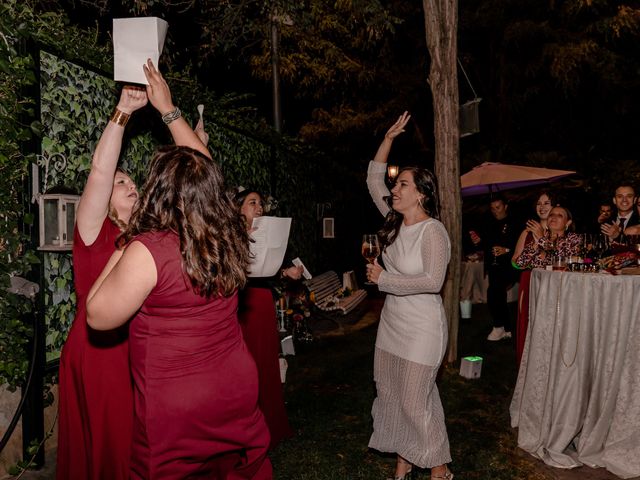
412 336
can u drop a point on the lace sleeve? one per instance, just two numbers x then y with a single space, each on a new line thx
436 252
377 188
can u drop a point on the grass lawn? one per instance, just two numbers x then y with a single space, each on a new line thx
329 395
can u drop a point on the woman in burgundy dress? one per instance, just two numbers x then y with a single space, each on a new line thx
96 397
196 385
257 317
532 232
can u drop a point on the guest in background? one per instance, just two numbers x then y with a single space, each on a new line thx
626 214
184 257
412 336
605 212
534 230
634 229
498 241
560 241
257 316
96 396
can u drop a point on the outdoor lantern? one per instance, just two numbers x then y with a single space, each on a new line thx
392 171
469 117
470 367
57 218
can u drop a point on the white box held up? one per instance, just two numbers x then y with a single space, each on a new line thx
471 367
134 41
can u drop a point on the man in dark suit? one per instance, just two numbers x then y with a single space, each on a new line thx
498 241
627 215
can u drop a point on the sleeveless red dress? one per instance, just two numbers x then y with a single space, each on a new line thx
196 386
96 393
257 317
522 323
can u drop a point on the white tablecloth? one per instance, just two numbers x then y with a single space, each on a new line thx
577 398
473 283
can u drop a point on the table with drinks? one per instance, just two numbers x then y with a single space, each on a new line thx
577 397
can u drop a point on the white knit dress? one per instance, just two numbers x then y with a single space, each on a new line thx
412 337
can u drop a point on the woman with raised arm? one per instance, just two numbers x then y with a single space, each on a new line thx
96 403
408 419
196 385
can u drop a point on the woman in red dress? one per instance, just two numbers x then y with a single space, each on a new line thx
96 397
257 316
532 232
196 385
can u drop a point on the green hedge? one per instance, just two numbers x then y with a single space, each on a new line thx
75 104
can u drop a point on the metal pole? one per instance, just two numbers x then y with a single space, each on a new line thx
275 72
33 413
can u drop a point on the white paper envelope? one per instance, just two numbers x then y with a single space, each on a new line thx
134 41
298 263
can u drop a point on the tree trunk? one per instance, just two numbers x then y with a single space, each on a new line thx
441 22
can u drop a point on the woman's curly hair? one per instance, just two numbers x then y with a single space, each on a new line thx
427 185
185 194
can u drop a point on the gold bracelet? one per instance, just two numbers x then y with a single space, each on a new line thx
119 117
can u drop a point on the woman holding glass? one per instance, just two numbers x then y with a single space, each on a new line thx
408 419
560 241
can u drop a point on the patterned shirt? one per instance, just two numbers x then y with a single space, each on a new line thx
539 254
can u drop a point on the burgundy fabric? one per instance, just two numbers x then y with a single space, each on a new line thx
260 330
196 385
523 313
96 398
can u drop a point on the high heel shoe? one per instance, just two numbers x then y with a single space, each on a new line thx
447 475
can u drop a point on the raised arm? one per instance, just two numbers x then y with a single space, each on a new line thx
396 129
436 253
160 97
94 202
378 167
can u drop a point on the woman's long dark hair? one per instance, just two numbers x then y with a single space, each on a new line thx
427 185
185 193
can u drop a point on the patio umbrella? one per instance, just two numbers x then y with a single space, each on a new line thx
491 177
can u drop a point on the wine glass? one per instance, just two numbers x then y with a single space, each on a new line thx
495 257
600 246
370 249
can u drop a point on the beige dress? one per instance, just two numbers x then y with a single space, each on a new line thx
412 337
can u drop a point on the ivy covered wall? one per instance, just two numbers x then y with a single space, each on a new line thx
75 103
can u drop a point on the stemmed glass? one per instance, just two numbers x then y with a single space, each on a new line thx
495 257
600 245
370 249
